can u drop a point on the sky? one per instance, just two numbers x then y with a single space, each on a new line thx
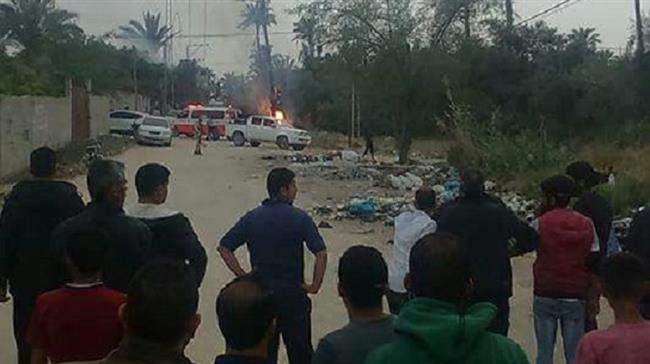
611 18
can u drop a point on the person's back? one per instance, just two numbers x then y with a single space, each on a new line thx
566 241
28 262
486 226
410 226
439 325
363 277
128 238
432 331
31 213
623 281
78 322
174 237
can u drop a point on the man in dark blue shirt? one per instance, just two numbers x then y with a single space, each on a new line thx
275 234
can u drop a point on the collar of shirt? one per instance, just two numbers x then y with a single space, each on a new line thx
276 201
149 211
84 285
105 207
148 352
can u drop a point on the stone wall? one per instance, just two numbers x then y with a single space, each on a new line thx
28 122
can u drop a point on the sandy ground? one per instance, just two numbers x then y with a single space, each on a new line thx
216 189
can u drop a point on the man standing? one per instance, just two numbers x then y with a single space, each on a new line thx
562 273
486 227
173 233
363 277
638 242
275 234
599 210
410 227
31 212
128 239
160 316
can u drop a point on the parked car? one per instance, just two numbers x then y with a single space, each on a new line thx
154 130
125 121
265 129
216 119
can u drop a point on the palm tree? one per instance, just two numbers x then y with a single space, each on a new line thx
31 23
148 34
585 37
259 14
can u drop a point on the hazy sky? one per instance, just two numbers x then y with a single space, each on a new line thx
612 19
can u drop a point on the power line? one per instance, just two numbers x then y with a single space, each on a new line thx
561 5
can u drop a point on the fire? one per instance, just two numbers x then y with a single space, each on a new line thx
279 115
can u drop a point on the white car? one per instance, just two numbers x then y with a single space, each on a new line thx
154 130
265 129
125 121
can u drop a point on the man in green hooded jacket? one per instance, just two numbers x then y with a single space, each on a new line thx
439 326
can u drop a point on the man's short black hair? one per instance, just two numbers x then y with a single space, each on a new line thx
245 311
42 162
624 276
277 179
560 187
439 268
363 276
149 177
86 250
584 173
425 199
162 300
473 183
102 174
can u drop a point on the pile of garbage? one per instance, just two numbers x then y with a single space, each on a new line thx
367 209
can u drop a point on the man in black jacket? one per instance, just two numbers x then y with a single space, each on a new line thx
486 226
31 212
638 242
599 210
174 235
129 239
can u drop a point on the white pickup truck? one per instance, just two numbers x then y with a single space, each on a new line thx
265 129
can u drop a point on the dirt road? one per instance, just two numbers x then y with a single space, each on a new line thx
214 190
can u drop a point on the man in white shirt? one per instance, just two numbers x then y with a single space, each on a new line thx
410 227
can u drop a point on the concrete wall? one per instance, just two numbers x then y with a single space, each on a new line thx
28 122
100 107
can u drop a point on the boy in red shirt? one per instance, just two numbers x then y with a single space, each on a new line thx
78 322
623 277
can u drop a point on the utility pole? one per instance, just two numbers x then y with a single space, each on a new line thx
467 19
510 13
189 26
640 48
352 133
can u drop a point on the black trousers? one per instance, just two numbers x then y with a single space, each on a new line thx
23 307
294 324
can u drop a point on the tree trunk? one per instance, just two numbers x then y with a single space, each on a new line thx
640 48
269 59
404 142
467 21
510 13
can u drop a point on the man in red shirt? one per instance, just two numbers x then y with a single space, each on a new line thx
563 271
78 322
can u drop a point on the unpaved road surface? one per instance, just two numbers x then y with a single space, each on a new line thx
214 190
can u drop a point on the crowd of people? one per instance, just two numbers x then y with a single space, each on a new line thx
114 285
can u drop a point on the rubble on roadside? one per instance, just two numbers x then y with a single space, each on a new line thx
399 182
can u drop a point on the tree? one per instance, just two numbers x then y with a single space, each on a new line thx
148 34
259 14
34 23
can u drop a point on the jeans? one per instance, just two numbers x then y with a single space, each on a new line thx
548 312
294 324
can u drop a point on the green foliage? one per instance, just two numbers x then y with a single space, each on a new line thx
148 33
